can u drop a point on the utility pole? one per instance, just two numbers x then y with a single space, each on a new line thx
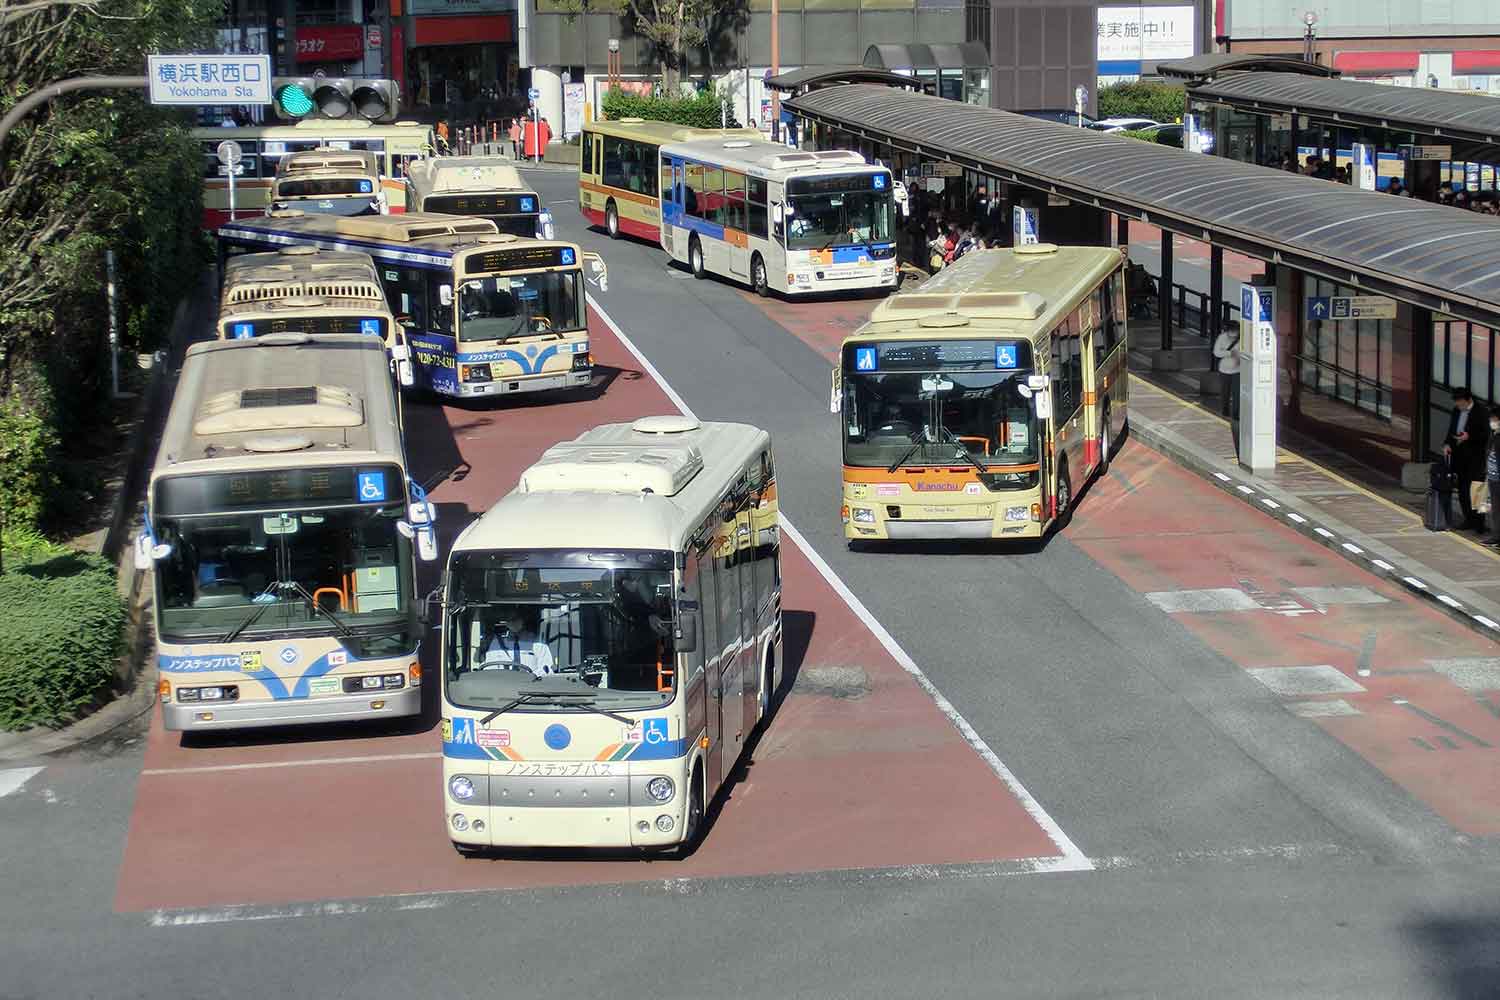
289 37
776 69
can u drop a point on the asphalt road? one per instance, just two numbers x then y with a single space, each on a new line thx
1237 844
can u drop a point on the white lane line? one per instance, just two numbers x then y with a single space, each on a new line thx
1270 503
250 914
1072 859
1412 581
1481 619
13 778
267 765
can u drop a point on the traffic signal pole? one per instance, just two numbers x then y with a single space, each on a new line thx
289 37
52 91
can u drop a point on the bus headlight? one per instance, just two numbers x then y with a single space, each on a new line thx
460 788
1017 513
661 789
460 822
664 823
863 515
474 373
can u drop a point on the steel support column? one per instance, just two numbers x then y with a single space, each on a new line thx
1214 321
1164 291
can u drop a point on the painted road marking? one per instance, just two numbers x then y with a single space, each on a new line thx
1212 599
1472 673
1296 682
1330 596
1072 859
13 778
1332 708
319 762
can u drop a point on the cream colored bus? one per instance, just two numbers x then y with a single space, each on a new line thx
488 187
611 638
977 404
280 528
301 289
262 147
326 181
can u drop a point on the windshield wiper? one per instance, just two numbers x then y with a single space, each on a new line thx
521 699
250 619
586 702
905 455
572 699
973 459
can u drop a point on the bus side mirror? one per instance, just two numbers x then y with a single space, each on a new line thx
598 271
778 214
1043 404
431 611
427 549
445 294
836 396
686 635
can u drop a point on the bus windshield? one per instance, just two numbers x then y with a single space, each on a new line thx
555 627
504 306
906 418
318 187
836 211
330 206
245 573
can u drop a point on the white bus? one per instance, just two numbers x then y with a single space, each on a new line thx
279 531
611 638
328 181
777 219
486 187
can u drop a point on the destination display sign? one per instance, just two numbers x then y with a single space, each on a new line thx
520 258
179 496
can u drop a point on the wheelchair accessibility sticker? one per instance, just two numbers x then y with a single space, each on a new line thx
371 487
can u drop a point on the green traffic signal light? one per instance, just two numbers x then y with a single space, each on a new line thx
293 100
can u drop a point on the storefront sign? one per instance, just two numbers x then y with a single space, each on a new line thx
460 6
330 42
1129 36
942 169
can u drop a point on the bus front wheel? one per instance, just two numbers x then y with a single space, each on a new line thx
1104 443
1064 497
612 221
695 258
692 826
758 279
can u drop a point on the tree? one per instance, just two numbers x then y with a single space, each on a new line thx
671 26
1160 102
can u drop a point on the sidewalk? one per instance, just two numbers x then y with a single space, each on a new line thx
1338 503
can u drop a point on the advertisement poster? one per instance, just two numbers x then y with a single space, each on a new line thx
573 95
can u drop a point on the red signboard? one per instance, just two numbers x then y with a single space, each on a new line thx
330 42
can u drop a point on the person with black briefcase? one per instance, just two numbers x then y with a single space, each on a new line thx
1442 482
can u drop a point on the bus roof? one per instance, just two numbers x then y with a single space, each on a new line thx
299 272
442 174
433 238
764 156
1022 290
646 485
325 161
281 401
663 132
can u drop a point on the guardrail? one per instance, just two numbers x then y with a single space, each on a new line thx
1190 308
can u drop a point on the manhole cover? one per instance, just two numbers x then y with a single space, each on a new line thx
833 682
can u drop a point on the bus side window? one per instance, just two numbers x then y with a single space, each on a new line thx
1104 330
758 209
708 617
406 291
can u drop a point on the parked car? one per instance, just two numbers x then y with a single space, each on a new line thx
1167 135
1061 116
1119 124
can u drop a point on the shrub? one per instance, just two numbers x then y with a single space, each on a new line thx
62 629
27 442
703 110
1161 102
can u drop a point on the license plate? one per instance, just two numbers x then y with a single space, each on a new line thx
325 685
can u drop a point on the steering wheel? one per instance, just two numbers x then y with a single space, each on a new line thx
541 324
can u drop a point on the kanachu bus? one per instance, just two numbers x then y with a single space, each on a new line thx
484 313
611 638
301 289
779 219
485 187
976 404
279 531
619 171
263 146
328 181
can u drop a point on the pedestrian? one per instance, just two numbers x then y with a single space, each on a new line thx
1492 479
442 136
515 138
1396 187
1464 449
1341 175
1226 349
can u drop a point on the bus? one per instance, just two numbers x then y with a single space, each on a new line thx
611 639
976 405
484 313
301 289
486 187
328 181
618 168
279 532
263 146
779 219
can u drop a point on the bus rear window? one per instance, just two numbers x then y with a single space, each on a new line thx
323 186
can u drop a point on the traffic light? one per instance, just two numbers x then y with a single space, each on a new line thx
297 97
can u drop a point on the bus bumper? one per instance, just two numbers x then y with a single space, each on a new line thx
812 280
491 820
189 716
999 516
529 383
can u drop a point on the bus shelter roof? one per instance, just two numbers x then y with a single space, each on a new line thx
812 77
1209 65
1440 258
1438 113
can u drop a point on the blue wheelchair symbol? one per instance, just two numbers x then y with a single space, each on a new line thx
654 731
243 331
567 255
1005 355
880 182
527 205
864 359
370 327
371 487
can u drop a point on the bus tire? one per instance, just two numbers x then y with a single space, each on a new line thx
1106 442
612 220
1064 497
468 850
758 278
695 258
767 691
692 823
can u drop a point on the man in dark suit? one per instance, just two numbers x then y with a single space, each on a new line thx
1468 433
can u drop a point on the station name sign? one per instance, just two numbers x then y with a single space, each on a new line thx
209 79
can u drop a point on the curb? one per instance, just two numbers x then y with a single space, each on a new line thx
1332 534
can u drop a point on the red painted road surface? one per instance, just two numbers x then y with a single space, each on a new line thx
878 779
1162 530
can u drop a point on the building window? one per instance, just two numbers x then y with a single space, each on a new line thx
977 22
1349 359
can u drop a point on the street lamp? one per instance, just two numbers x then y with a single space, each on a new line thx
1309 36
614 64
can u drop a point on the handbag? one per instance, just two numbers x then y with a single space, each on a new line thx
1479 497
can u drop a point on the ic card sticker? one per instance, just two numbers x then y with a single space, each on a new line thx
338 658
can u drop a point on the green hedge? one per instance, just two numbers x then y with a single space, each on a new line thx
700 111
1161 102
62 629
